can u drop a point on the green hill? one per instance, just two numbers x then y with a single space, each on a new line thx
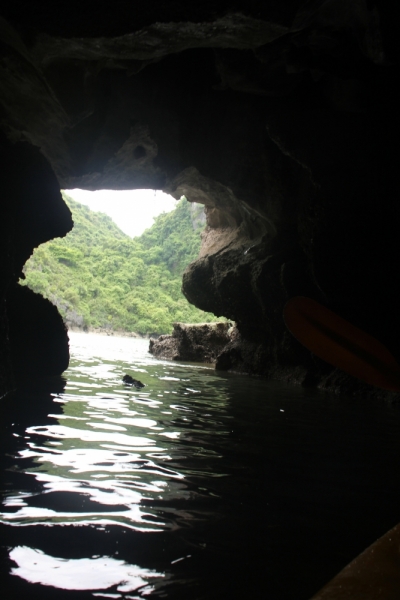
98 277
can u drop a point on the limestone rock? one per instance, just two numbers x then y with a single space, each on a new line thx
201 342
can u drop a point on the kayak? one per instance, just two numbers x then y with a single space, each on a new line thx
373 575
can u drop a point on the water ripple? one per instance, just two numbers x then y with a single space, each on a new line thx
192 486
114 454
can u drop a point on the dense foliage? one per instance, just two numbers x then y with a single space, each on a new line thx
98 277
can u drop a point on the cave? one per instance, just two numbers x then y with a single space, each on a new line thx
278 117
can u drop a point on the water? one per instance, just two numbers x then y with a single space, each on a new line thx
198 486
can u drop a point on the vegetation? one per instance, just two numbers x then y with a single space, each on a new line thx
98 277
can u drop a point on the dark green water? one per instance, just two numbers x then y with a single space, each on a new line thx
198 486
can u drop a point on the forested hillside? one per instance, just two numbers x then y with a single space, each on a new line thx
98 277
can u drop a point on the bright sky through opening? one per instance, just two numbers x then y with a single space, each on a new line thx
132 210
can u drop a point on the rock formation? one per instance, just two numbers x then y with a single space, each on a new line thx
202 342
280 117
37 334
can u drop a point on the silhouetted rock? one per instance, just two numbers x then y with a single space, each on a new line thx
128 380
37 334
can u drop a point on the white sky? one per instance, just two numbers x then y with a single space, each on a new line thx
132 210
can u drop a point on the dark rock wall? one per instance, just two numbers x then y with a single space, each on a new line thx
280 117
33 340
37 334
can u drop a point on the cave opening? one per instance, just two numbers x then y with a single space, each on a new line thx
119 270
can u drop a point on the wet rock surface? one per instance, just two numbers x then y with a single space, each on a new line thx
281 118
201 342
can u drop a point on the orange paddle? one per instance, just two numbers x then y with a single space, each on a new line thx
341 344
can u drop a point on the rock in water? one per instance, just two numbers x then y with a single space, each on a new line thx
130 381
201 342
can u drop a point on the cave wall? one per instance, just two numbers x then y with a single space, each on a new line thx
33 339
279 117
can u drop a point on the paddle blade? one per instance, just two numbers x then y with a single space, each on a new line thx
341 344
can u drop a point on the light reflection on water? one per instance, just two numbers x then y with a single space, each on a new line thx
196 486
79 574
108 459
114 446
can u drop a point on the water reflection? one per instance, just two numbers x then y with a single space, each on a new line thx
263 490
95 573
105 456
111 449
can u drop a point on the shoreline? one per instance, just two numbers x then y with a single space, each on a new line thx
107 333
